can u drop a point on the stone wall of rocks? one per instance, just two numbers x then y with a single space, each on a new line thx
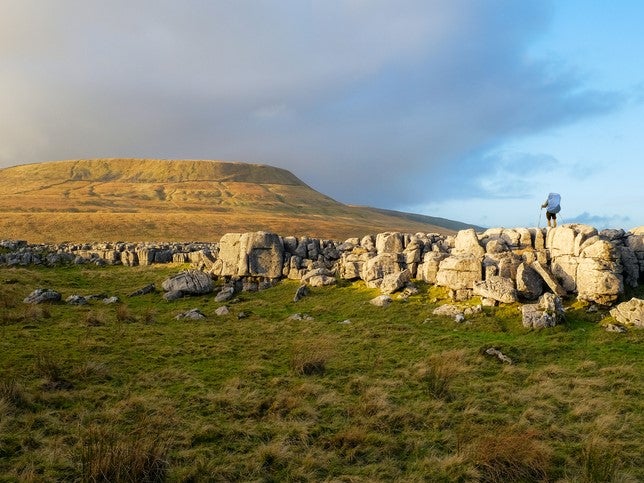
21 253
499 264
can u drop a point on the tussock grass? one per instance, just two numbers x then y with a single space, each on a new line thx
511 454
106 456
438 370
396 395
310 357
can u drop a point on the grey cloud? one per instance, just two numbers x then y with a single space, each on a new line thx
600 221
378 103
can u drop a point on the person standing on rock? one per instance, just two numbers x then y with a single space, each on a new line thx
552 206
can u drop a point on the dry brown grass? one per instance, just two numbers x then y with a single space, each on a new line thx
106 456
437 372
511 454
310 357
155 200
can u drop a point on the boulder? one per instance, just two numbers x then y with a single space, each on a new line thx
258 254
319 277
428 268
395 281
564 269
459 272
375 268
547 313
389 243
43 296
599 276
190 282
529 283
629 313
467 243
497 288
549 279
172 295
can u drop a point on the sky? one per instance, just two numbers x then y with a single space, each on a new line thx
472 110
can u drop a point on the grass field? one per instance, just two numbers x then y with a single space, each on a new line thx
126 392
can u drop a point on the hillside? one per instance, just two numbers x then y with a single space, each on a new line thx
182 200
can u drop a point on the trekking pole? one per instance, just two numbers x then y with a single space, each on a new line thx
539 224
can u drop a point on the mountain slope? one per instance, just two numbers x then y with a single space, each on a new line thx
146 199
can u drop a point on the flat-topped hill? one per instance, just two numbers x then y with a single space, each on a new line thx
150 199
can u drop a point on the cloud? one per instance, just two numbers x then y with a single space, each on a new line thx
600 221
374 102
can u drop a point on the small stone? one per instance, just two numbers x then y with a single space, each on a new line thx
194 314
499 355
144 290
223 310
225 294
76 300
381 301
301 292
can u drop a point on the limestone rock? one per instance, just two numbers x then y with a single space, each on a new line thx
448 310
43 296
193 314
459 272
550 280
301 292
467 243
144 290
221 311
389 243
395 281
190 282
172 295
497 288
376 268
226 293
76 300
547 313
599 276
498 354
258 254
428 269
319 277
629 313
381 301
529 283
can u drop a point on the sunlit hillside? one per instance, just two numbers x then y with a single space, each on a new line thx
136 199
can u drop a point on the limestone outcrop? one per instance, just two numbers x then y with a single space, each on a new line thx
499 264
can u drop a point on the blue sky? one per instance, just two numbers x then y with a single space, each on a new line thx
466 109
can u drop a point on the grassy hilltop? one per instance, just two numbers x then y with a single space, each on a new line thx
126 392
145 199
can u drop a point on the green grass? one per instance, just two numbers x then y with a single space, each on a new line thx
127 393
